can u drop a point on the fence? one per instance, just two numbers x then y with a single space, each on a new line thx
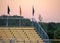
40 31
14 21
52 40
37 41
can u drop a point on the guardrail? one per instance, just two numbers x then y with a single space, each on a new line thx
18 22
40 31
52 40
13 40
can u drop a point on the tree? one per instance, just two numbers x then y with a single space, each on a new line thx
51 30
57 33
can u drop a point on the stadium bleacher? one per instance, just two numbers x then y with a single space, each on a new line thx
22 35
16 29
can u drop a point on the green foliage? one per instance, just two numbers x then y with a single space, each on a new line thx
53 29
26 22
57 33
3 22
14 21
45 26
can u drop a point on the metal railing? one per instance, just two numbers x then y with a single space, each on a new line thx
13 40
40 31
14 21
53 40
20 41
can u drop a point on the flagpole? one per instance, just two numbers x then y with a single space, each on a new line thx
8 11
20 15
7 21
32 15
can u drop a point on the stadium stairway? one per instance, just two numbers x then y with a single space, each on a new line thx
19 35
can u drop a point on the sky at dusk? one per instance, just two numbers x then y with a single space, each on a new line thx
48 9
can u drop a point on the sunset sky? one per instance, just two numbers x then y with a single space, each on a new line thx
48 9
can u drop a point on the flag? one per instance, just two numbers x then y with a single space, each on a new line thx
40 18
20 10
33 11
8 10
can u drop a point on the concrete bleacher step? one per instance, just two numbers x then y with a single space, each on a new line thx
17 36
8 33
30 34
2 34
21 35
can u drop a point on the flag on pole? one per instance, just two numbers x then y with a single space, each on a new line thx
20 11
33 11
8 10
40 18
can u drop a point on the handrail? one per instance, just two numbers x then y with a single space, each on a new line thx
40 30
13 40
